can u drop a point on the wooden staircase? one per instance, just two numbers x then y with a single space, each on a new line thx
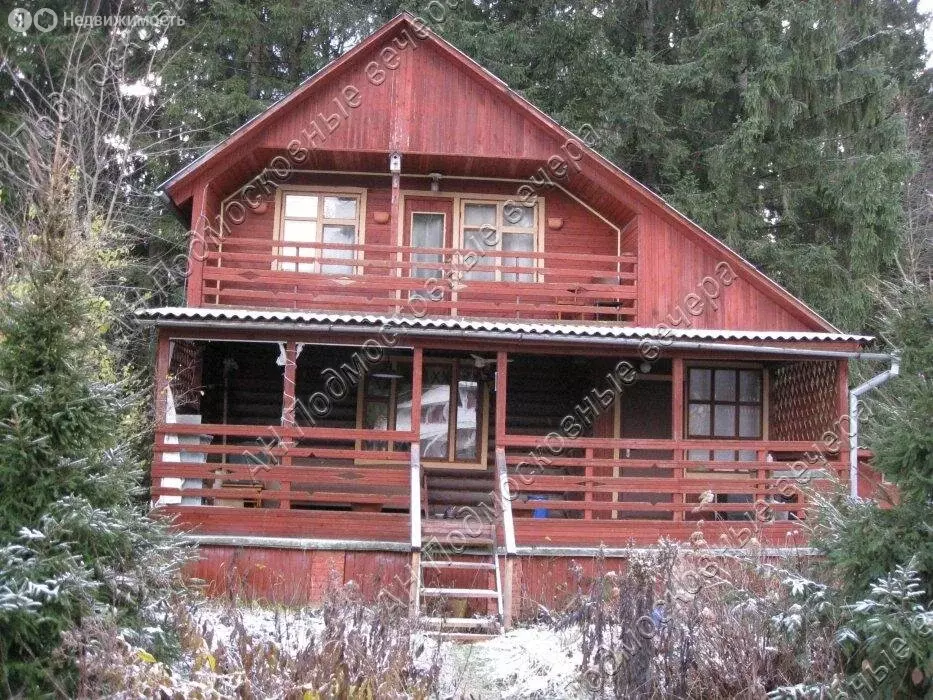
457 589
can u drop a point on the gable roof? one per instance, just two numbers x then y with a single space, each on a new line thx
602 173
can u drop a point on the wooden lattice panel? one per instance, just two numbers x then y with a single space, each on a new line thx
802 400
185 372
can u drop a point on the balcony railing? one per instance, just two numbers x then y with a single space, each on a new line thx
436 281
279 467
626 479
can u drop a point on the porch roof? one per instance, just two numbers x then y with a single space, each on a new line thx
464 326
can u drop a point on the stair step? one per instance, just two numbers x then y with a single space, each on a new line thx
461 484
444 473
465 499
459 543
445 564
469 529
459 622
462 636
458 593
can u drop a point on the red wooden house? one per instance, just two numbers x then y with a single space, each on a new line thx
428 329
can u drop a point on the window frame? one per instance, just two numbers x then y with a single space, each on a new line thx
503 229
737 402
482 414
320 191
440 264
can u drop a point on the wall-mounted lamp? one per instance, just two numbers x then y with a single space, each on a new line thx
395 162
435 181
555 223
381 217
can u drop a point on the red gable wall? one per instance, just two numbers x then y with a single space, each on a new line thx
443 112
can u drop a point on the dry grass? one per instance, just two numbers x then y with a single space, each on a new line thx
345 649
676 623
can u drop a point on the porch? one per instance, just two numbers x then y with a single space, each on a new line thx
291 436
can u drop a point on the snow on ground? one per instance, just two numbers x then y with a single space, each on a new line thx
527 662
289 628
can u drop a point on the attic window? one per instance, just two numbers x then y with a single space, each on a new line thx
315 219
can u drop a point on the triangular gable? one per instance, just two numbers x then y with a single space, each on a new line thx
500 124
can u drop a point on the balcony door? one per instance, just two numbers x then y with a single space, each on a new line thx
428 224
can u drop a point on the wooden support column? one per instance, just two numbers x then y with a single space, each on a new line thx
288 411
677 421
160 397
508 536
417 374
163 361
761 490
395 228
842 417
502 377
198 241
416 496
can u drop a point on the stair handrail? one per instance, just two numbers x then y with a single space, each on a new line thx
505 502
416 503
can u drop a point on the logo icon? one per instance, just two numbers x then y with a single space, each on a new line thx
45 19
19 19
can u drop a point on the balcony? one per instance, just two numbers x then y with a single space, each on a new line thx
374 278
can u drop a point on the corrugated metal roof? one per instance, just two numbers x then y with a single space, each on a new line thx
169 314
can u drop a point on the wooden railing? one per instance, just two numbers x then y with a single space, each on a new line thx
416 502
598 478
439 281
505 501
279 467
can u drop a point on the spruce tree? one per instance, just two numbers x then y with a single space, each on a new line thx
75 544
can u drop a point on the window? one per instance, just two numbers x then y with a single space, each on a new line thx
452 410
318 218
725 404
427 231
500 226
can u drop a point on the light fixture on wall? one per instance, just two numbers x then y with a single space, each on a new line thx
381 217
555 223
395 162
435 181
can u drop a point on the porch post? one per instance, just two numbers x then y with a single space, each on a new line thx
502 372
163 360
677 421
395 225
502 381
197 248
417 372
843 421
288 412
416 496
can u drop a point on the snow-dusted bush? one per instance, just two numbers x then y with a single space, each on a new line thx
676 622
345 649
886 640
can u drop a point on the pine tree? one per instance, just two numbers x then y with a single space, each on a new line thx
74 541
